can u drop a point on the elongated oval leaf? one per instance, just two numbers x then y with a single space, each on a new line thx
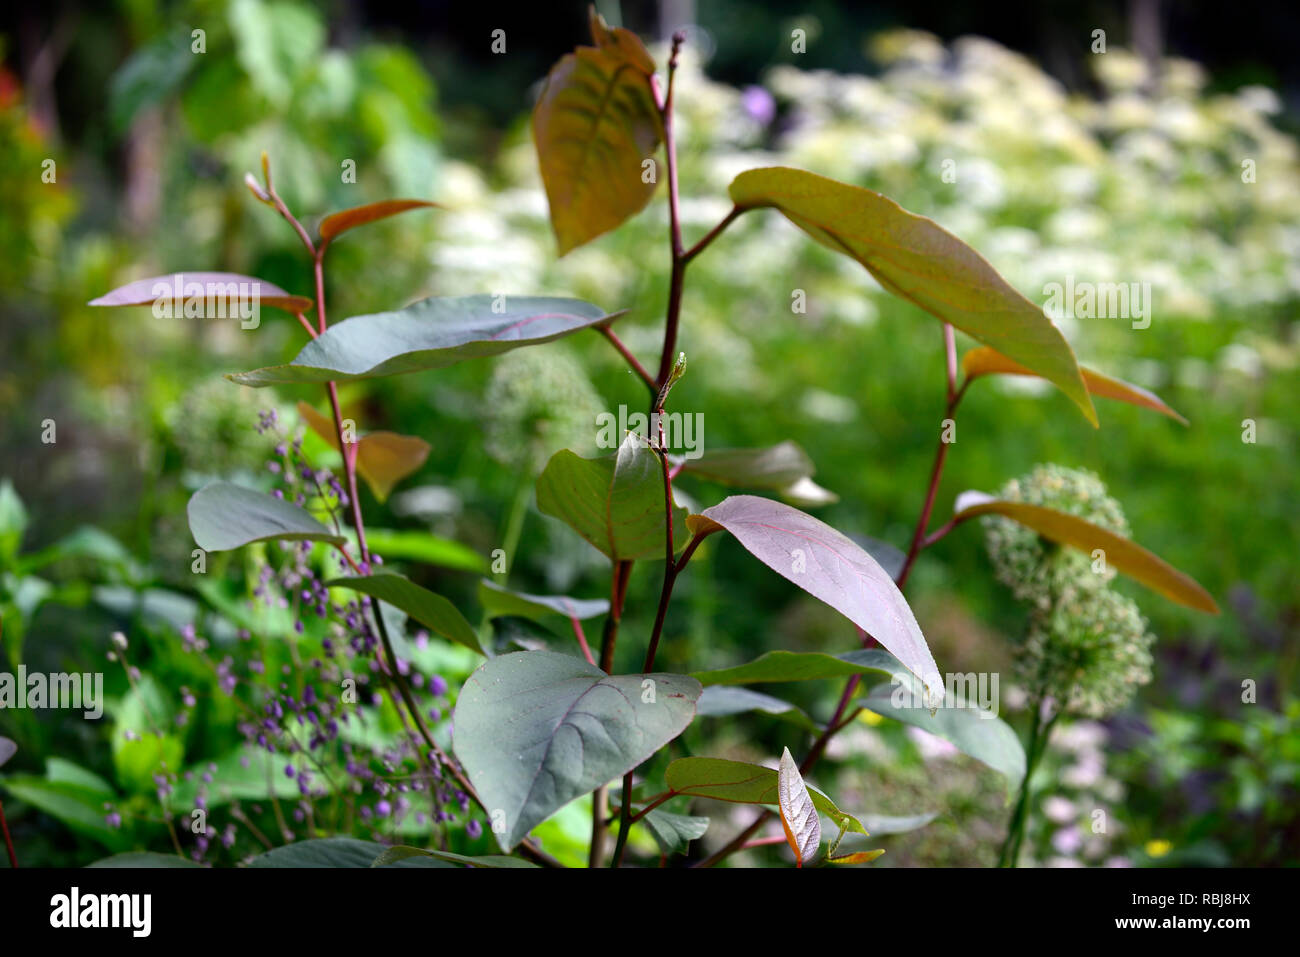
615 502
222 285
722 701
974 731
774 467
429 334
537 729
673 832
1121 554
7 750
743 783
501 601
428 608
985 361
778 666
594 126
342 221
799 819
828 566
915 258
426 548
225 516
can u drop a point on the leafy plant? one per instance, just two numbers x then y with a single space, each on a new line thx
537 730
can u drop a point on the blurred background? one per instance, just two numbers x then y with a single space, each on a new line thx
1123 165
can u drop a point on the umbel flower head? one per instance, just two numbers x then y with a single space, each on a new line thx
1085 646
1034 568
1089 653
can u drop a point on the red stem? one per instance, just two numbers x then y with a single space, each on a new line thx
9 844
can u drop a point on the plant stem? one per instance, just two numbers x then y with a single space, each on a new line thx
9 843
1039 733
600 797
936 472
631 360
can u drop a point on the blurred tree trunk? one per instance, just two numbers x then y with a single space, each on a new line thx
1148 39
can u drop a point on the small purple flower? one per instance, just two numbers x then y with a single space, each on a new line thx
758 104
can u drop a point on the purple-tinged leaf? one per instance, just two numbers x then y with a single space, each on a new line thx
228 286
829 566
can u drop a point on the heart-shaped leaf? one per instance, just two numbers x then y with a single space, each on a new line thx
537 729
799 819
594 126
778 666
985 361
915 258
428 608
972 730
1120 553
429 334
615 502
722 701
225 286
744 783
498 601
342 221
383 458
828 566
225 516
673 832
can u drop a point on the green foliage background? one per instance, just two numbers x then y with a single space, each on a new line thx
1128 186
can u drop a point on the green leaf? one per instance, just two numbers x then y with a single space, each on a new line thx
79 808
429 334
774 467
673 832
498 601
776 666
425 548
972 730
916 259
830 567
720 701
743 783
13 522
536 729
229 286
334 852
615 502
429 609
1120 553
149 76
147 859
341 222
404 852
515 633
225 516
594 125
799 818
